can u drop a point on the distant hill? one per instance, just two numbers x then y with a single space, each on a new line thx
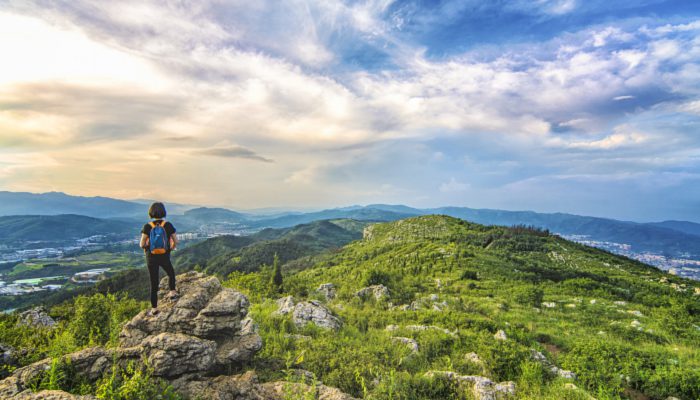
54 203
225 254
205 214
364 214
690 228
672 239
60 227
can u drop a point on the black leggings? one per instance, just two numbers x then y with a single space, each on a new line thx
154 262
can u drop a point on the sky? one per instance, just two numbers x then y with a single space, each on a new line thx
589 107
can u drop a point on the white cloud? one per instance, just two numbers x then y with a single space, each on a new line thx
453 186
208 74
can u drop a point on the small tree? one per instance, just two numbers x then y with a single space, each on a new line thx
276 274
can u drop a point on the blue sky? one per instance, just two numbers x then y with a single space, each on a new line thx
588 107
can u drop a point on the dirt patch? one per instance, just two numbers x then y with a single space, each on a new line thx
553 349
634 394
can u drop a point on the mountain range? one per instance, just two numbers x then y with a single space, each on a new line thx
671 238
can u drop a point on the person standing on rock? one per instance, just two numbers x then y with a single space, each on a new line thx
158 239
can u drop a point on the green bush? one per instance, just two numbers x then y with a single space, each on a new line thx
529 296
133 383
97 319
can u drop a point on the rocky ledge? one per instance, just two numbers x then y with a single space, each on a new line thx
194 338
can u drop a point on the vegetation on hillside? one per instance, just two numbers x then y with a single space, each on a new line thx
225 254
625 329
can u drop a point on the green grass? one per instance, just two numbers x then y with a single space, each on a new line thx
617 323
491 278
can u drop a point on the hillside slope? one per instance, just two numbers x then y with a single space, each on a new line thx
225 254
59 227
508 304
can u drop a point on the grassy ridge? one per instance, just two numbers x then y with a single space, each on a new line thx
623 327
225 254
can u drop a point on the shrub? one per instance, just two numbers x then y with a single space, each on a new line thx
133 383
530 296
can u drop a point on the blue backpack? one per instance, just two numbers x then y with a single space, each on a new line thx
158 238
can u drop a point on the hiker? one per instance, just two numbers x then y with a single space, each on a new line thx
158 239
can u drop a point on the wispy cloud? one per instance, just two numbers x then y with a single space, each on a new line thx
232 152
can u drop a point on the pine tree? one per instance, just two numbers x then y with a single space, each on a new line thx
277 274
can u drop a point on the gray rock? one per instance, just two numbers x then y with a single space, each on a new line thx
52 395
539 357
563 373
482 388
377 291
316 313
285 390
173 354
247 387
500 335
37 317
285 305
7 354
327 290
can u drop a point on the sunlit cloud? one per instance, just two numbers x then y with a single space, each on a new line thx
342 101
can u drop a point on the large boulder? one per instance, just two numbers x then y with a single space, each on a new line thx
204 331
377 292
205 309
311 311
316 313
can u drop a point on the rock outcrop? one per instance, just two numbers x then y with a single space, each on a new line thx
327 290
311 311
36 316
202 333
378 292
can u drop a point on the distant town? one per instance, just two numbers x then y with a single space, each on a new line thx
684 267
